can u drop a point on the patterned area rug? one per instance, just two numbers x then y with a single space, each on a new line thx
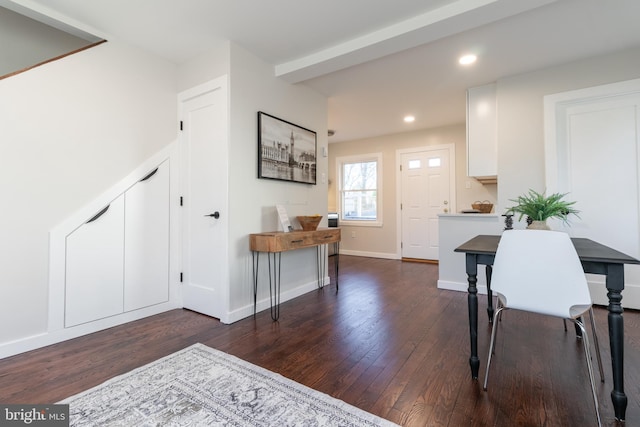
200 386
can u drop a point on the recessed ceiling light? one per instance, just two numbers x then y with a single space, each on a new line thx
409 119
467 59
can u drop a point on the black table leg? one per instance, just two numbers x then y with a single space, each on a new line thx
274 284
489 271
472 300
615 285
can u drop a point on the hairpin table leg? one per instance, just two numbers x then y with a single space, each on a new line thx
274 284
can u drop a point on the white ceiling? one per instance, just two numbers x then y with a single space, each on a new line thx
376 60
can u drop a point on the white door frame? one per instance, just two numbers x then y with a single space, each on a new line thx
452 184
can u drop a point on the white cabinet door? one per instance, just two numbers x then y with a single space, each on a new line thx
482 157
94 268
146 253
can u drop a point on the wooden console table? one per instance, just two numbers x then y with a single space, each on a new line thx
276 242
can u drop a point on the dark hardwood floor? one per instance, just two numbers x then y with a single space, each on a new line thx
388 342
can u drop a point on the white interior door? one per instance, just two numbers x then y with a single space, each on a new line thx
425 193
205 214
598 164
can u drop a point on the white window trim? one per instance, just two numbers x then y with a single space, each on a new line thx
360 158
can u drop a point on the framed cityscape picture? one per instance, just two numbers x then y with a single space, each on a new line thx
286 152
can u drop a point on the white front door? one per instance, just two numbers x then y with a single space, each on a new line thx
425 193
598 150
204 139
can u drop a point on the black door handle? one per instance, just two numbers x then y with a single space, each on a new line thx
153 172
216 215
99 214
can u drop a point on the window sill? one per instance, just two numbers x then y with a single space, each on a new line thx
348 223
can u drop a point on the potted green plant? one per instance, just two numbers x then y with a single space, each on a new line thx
538 208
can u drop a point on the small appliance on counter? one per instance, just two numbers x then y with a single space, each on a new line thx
332 218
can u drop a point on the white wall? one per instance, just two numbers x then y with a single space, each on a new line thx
70 130
254 88
521 115
205 67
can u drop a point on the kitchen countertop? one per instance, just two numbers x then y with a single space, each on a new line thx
467 215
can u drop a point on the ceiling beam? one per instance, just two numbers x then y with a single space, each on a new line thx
53 19
445 21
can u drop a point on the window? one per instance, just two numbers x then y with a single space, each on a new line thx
360 189
434 162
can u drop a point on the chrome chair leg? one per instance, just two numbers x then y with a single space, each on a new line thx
597 344
587 352
494 329
498 305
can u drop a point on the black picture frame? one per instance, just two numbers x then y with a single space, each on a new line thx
286 152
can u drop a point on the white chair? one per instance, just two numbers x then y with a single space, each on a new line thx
540 272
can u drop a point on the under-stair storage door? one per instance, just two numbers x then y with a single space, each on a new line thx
94 267
146 260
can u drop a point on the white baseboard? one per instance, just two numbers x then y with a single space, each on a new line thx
56 336
265 304
459 286
630 294
369 254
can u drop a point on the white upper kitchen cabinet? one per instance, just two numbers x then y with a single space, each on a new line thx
482 157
